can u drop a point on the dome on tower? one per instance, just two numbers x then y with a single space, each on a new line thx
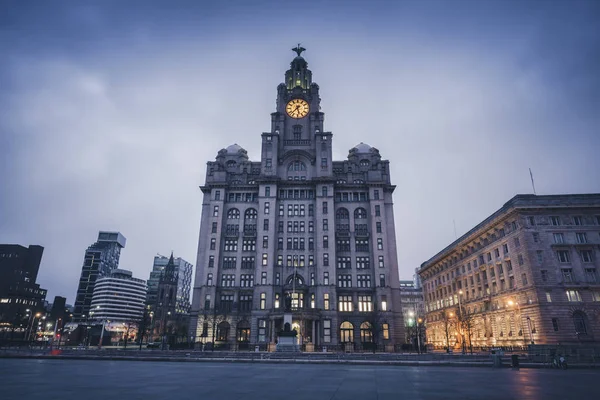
362 148
234 149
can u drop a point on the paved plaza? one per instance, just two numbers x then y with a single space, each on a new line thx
90 380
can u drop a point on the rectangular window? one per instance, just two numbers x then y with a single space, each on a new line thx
311 244
248 262
216 211
325 260
311 226
376 194
383 303
381 264
214 227
343 262
327 330
230 245
555 221
280 227
266 225
323 162
555 324
378 227
595 295
229 262
517 242
325 242
311 210
267 207
567 274
363 281
263 301
263 278
531 221
586 256
267 191
345 303
344 281
548 296
278 277
385 330
248 244
590 275
505 248
377 211
573 295
213 243
365 303
363 262
325 225
379 244
209 280
497 252
581 237
544 275
325 278
262 330
265 259
268 163
559 238
563 256
217 195
324 207
524 279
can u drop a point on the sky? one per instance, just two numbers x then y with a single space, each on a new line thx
109 111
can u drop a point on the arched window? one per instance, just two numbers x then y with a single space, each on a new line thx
342 213
296 166
579 318
364 163
250 213
223 331
346 332
360 213
366 332
230 164
243 331
299 280
234 213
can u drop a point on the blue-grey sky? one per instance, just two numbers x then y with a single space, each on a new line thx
109 111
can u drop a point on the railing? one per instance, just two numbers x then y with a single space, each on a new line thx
297 142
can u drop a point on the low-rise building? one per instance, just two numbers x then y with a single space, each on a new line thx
527 274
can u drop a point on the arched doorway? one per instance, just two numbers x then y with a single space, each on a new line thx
346 332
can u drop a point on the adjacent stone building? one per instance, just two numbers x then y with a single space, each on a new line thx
298 224
527 274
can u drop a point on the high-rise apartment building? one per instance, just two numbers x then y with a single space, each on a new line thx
20 295
298 225
527 274
183 273
100 259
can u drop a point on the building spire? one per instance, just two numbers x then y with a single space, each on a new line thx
298 49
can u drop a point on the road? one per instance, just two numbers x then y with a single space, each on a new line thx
90 380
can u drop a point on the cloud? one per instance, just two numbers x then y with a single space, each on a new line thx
116 135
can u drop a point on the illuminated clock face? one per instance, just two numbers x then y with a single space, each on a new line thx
297 108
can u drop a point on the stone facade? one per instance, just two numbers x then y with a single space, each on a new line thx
527 274
296 223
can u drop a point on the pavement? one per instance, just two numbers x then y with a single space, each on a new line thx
49 379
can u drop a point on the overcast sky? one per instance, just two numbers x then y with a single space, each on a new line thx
109 111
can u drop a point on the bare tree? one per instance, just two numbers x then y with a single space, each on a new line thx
466 323
129 326
447 319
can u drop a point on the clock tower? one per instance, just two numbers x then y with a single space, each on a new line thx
297 125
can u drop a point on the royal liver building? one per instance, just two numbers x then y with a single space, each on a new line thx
297 225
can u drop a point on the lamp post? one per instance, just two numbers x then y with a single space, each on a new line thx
32 323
